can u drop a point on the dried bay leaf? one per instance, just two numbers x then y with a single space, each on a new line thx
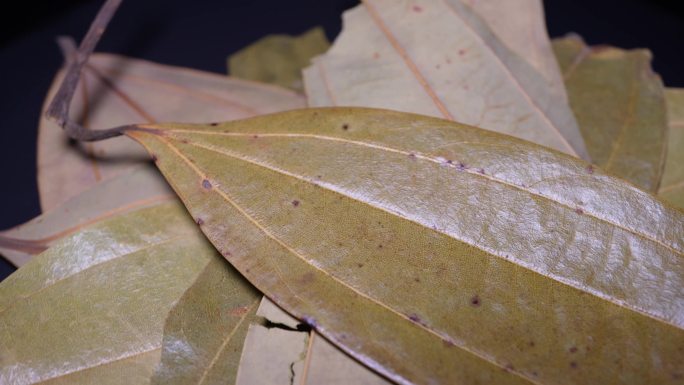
412 242
522 27
116 90
136 188
273 355
92 307
278 59
206 329
672 185
439 59
620 106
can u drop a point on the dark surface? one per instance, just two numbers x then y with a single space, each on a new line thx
200 34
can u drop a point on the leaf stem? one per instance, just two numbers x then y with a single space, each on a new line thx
75 60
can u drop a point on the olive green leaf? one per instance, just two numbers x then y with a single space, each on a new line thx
439 59
136 188
205 331
116 90
620 106
278 59
91 308
672 185
418 245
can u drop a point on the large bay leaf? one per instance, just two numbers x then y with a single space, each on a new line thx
139 187
619 103
437 252
672 185
92 307
439 59
521 26
206 329
278 59
115 90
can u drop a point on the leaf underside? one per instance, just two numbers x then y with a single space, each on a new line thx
354 220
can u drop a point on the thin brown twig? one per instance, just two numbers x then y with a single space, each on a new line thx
75 60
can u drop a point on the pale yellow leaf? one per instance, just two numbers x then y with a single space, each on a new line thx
116 90
439 59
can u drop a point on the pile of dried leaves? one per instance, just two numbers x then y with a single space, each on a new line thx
512 220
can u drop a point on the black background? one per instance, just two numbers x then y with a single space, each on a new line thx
201 33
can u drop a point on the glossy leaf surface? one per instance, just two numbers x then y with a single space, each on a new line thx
412 242
116 90
439 59
206 329
672 186
91 309
136 188
619 103
278 59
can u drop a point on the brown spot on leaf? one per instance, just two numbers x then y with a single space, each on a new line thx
461 52
531 343
573 364
415 318
184 141
345 126
206 184
417 8
461 166
590 169
481 171
417 279
535 374
295 203
412 156
579 211
239 311
154 158
573 349
360 265
308 277
376 55
475 301
448 343
213 124
200 221
379 246
509 367
255 136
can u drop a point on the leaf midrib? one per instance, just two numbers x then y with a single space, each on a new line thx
432 160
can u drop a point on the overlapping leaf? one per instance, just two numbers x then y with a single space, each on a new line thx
278 59
115 90
672 186
206 329
620 106
92 307
355 220
439 59
521 26
138 187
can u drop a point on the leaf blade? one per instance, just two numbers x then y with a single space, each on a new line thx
620 105
366 169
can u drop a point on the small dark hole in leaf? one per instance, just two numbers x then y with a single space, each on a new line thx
475 301
206 184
